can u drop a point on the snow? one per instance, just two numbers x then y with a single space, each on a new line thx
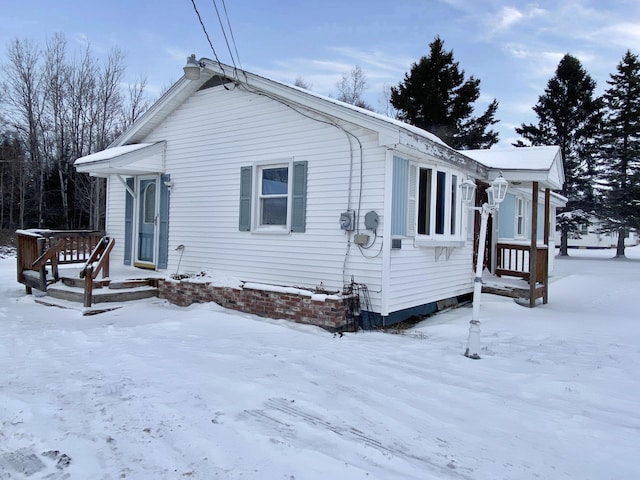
156 391
529 158
110 153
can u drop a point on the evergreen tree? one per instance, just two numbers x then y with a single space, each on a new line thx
620 151
569 116
436 97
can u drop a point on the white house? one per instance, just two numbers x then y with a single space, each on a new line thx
239 176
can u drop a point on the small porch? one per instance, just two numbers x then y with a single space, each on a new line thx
74 266
517 251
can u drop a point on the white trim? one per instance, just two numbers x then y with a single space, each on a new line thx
439 239
258 167
386 233
130 160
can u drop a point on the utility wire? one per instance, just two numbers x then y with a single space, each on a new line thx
224 34
235 46
207 35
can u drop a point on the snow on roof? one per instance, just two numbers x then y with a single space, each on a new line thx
111 153
521 158
364 111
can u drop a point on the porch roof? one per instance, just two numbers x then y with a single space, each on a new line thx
524 165
134 159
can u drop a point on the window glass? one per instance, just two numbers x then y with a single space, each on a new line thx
519 216
150 203
454 203
438 204
441 183
424 202
274 189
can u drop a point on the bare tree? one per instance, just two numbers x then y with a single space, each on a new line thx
25 97
385 101
63 108
302 83
352 86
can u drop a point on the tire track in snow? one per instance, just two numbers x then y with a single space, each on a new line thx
278 413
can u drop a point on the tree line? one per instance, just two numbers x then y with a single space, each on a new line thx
599 136
57 106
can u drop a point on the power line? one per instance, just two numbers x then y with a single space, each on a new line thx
235 46
206 34
224 34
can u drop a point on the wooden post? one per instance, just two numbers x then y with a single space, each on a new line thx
533 250
547 227
43 269
88 286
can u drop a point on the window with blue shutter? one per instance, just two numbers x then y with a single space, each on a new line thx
276 201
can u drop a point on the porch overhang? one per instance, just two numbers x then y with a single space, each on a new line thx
135 159
523 166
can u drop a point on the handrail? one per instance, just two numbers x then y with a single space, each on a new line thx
98 262
37 248
48 254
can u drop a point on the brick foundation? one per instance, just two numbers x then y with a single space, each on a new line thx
329 312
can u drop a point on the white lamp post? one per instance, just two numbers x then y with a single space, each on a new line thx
495 193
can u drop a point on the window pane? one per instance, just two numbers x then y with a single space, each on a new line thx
441 182
424 202
273 211
150 203
275 181
454 200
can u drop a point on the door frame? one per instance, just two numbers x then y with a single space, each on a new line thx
136 222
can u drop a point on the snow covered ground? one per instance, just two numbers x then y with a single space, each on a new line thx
155 391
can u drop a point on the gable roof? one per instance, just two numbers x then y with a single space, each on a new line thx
542 164
392 133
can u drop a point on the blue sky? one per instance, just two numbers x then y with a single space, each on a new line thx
512 47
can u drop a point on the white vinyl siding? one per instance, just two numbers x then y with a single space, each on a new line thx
205 153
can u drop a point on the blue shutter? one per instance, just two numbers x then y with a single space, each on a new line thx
400 196
163 230
245 199
128 222
299 197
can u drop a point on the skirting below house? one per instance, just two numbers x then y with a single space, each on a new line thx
331 312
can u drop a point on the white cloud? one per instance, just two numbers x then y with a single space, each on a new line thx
507 17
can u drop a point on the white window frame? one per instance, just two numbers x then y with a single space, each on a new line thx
520 212
431 237
258 196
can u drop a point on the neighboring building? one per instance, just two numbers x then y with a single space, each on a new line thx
591 236
288 191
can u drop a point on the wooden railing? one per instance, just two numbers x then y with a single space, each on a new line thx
514 260
97 262
38 249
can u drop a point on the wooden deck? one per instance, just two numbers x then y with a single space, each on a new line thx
65 266
521 273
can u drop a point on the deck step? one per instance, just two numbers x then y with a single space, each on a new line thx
102 295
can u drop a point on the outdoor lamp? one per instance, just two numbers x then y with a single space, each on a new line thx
499 187
495 195
468 188
192 68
